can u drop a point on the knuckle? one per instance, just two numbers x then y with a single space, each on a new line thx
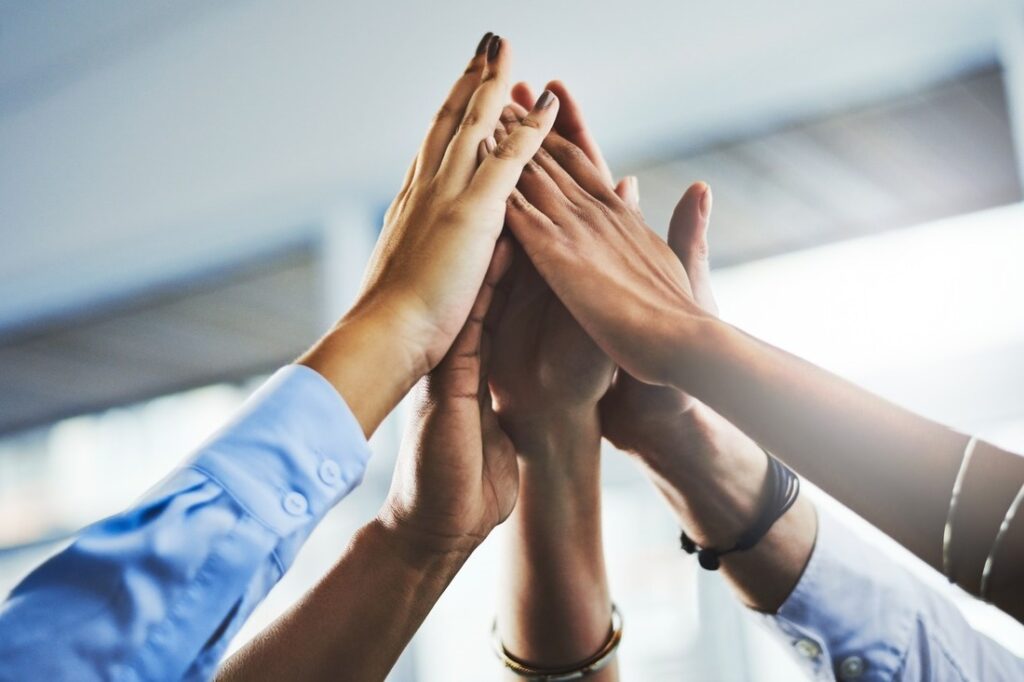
531 167
544 155
508 116
516 202
568 153
580 213
531 122
454 213
494 77
508 150
444 113
470 120
602 210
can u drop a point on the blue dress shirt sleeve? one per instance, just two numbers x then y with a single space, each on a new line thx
857 615
157 592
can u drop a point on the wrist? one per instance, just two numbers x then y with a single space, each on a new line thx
711 473
697 342
556 440
420 551
370 360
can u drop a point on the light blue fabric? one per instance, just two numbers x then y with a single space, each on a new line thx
157 592
857 615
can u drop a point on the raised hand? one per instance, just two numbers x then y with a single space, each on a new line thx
438 238
546 367
547 376
682 443
644 418
456 477
546 363
618 278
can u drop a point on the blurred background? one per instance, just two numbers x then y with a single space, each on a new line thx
189 191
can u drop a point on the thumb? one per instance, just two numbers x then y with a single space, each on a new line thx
688 238
628 190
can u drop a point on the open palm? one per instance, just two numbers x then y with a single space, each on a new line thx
457 477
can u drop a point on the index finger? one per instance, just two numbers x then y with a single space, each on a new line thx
447 119
569 124
497 176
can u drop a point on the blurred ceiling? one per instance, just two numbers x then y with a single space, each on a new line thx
201 131
225 327
148 142
942 152
945 151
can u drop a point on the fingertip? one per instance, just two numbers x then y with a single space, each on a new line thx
503 252
622 189
695 201
487 146
542 116
628 189
687 231
522 95
706 202
501 260
499 55
558 87
698 199
546 107
482 46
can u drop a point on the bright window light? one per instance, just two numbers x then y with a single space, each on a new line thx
910 314
909 297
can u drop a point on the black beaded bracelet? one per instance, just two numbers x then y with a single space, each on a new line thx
783 487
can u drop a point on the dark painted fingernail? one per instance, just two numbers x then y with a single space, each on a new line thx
544 101
494 48
483 43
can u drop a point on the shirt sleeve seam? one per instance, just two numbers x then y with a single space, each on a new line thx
939 644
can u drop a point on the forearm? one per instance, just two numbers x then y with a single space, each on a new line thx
713 477
369 357
891 466
555 608
358 619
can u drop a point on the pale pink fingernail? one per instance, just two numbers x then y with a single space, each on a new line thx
705 202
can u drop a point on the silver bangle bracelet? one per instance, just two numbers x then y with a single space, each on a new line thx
947 533
986 573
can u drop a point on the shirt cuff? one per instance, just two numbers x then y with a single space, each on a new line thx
290 454
851 615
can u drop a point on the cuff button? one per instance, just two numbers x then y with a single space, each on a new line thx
807 648
851 668
330 472
295 504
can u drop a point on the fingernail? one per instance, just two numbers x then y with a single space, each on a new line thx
636 188
494 48
483 43
490 144
705 202
544 101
